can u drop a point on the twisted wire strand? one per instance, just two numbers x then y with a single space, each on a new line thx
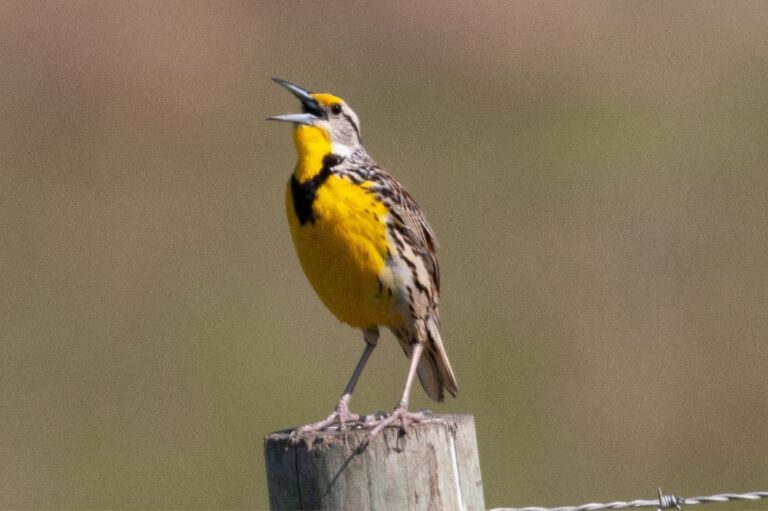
661 502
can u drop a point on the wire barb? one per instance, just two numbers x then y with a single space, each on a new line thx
670 501
660 503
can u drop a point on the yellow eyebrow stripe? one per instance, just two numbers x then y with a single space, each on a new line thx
326 100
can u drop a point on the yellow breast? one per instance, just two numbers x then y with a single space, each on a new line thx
343 251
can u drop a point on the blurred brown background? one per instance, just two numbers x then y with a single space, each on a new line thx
596 173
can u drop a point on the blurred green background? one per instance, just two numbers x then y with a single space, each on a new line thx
597 174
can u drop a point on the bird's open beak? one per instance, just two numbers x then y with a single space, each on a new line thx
311 110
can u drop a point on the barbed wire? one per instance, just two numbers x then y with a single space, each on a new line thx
661 502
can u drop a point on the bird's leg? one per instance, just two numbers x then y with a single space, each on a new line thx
341 413
401 413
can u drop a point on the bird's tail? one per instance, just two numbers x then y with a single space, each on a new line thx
434 370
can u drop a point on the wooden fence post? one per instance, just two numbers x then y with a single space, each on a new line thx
434 467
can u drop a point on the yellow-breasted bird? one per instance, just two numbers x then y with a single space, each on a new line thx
366 248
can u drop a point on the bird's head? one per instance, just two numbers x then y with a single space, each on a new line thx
327 114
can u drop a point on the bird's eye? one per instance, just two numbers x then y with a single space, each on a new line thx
336 108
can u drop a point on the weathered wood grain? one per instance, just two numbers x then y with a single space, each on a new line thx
434 467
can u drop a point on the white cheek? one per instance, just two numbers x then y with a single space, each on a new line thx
341 149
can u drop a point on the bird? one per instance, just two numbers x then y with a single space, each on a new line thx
367 250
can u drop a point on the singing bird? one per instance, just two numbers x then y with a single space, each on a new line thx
366 249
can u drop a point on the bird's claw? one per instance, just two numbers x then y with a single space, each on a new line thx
338 420
400 415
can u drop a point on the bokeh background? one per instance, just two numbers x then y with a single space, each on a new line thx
596 172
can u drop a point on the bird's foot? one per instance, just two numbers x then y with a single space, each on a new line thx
339 420
400 416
